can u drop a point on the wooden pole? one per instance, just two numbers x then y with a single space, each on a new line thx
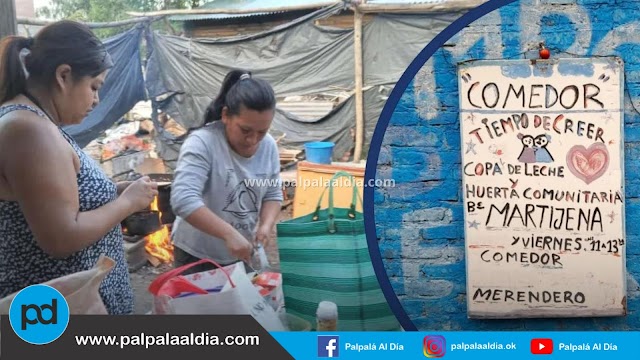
357 46
93 25
168 25
8 24
235 11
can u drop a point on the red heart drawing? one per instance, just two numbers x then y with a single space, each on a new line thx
588 164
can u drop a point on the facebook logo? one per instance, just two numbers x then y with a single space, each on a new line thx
328 346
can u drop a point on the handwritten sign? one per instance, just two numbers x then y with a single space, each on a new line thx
543 186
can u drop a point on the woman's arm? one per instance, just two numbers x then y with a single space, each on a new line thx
191 176
189 179
42 176
208 222
268 216
272 201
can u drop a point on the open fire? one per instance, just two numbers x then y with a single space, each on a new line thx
158 244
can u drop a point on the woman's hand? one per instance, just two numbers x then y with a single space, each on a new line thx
263 234
268 215
140 193
122 186
238 245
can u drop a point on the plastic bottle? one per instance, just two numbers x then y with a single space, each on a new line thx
327 316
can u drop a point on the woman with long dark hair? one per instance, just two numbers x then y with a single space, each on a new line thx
58 210
226 191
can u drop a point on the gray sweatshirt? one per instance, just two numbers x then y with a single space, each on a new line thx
209 173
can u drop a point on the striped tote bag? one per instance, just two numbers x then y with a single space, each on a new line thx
324 257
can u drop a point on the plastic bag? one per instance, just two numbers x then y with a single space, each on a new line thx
81 289
224 291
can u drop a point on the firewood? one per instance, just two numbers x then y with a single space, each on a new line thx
154 260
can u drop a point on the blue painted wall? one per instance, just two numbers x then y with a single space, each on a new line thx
420 220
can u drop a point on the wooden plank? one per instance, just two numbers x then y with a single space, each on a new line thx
151 166
355 169
359 78
153 260
450 5
317 5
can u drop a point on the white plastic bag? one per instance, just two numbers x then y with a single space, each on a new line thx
81 289
223 291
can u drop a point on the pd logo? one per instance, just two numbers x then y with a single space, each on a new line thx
435 346
39 314
541 346
328 346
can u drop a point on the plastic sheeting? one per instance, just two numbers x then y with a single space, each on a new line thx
298 58
391 41
123 88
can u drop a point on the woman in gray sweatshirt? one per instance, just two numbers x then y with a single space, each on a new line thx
227 191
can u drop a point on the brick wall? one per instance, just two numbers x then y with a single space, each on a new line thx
420 220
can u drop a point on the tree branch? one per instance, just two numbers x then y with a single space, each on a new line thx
93 25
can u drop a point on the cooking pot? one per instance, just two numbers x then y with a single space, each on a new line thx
164 190
167 217
142 223
164 198
161 179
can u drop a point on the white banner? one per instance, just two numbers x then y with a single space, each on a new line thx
543 186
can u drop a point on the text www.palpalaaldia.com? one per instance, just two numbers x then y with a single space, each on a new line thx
202 339
321 183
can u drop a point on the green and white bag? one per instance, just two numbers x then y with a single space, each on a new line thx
324 257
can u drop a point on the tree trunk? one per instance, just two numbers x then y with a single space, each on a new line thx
7 18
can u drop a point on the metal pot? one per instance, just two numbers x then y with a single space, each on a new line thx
164 198
164 193
161 179
167 217
142 223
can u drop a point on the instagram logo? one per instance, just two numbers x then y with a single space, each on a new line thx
434 346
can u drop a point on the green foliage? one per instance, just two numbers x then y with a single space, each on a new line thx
108 10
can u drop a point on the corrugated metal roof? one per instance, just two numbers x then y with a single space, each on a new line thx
408 2
308 110
263 4
213 16
243 5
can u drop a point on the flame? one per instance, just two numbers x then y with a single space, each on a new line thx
158 244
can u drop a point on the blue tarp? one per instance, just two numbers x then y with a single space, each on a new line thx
123 88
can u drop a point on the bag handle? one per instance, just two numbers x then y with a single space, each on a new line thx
355 195
157 284
352 208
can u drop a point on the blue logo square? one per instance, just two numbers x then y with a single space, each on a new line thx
328 346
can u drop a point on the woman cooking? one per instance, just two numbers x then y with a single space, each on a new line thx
226 191
58 210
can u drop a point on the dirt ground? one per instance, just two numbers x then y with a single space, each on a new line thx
141 279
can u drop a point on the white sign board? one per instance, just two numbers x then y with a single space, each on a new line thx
543 186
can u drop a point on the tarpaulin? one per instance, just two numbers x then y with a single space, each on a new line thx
335 127
298 58
123 87
392 41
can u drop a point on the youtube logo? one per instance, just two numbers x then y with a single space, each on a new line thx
541 346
